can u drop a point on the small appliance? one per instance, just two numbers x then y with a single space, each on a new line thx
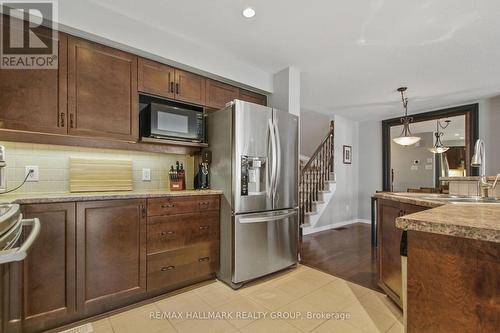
202 177
165 119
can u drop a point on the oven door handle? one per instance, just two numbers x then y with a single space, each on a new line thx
20 253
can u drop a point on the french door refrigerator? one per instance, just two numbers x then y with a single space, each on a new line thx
255 164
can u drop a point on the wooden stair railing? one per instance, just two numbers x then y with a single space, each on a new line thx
315 174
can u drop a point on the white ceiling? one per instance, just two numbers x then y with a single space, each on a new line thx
352 54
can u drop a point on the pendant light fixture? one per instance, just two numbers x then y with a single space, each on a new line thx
406 138
438 147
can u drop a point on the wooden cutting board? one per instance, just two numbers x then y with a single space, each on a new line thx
99 175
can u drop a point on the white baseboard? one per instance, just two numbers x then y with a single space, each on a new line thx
363 221
312 230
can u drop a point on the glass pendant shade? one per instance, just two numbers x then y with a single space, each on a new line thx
406 140
438 150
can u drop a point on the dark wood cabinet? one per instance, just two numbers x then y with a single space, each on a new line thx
189 87
42 287
155 78
35 99
250 96
102 91
218 94
389 241
183 240
111 248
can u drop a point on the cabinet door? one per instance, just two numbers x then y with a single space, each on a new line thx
102 91
35 99
389 258
45 280
155 78
111 253
250 96
218 94
189 87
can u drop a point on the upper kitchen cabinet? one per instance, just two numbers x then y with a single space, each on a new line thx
102 91
155 78
35 99
189 87
250 96
218 94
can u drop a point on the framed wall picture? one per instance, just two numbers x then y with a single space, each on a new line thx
347 154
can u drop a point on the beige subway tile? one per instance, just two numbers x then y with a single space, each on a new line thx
454 189
463 188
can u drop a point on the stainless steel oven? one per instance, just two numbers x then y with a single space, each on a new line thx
171 120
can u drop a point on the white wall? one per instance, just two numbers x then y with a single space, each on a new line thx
96 22
344 205
370 165
489 131
313 128
286 91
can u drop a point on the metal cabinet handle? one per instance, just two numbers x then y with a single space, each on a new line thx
168 206
143 210
71 120
204 227
204 204
166 233
168 268
62 116
204 259
172 86
177 90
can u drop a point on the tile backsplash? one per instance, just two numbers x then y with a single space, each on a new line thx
469 188
53 166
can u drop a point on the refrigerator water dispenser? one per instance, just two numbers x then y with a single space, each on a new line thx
253 175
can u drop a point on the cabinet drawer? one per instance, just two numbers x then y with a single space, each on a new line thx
185 264
182 205
172 232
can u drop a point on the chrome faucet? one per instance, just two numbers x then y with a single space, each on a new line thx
2 169
479 160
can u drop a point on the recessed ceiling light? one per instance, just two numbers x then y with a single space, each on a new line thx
457 134
248 12
461 138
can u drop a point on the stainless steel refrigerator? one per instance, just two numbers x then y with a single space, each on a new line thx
255 163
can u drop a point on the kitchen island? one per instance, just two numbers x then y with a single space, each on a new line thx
453 270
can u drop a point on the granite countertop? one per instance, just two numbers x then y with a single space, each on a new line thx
35 198
466 179
479 221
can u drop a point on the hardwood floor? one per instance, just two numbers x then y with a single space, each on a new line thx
344 252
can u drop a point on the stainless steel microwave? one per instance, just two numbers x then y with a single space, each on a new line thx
171 120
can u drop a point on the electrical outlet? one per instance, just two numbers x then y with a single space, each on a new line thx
33 177
146 175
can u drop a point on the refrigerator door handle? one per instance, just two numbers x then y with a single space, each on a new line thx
273 156
266 218
278 159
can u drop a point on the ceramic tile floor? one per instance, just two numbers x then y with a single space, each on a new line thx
287 297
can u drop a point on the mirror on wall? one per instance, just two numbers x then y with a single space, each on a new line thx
444 149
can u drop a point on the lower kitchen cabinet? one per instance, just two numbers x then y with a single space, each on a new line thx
111 247
389 241
41 290
92 257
